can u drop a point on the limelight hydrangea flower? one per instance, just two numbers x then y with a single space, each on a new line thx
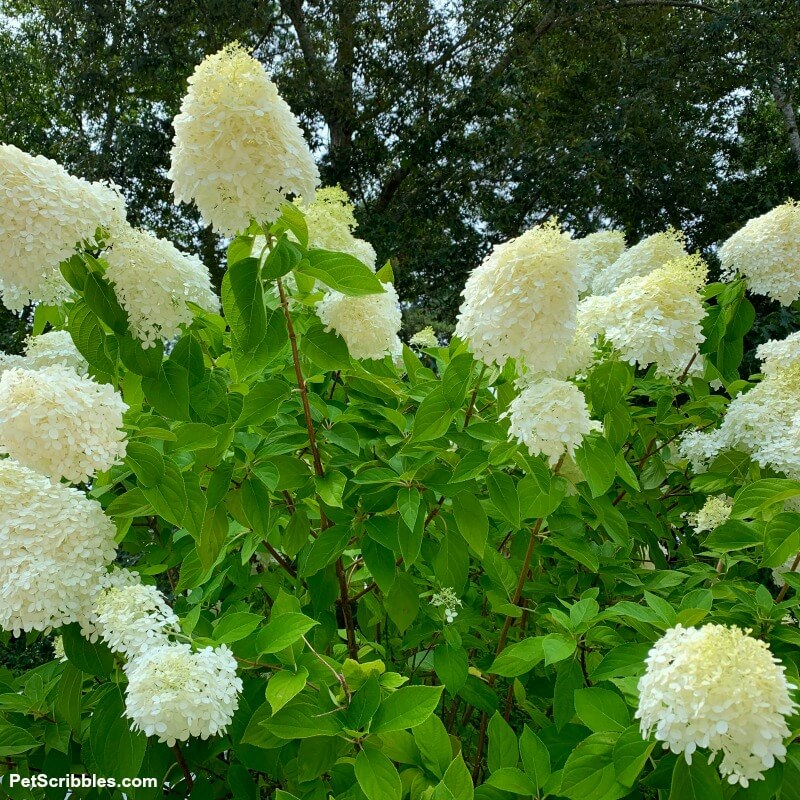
579 354
426 337
368 324
153 282
331 221
765 252
133 617
521 301
447 597
174 693
54 347
654 318
59 423
596 252
54 546
714 512
550 417
44 214
778 354
649 254
717 688
238 149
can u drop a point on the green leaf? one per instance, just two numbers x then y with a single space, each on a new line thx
698 781
630 755
294 220
168 497
169 392
146 462
519 658
782 539
283 632
408 502
262 402
504 496
535 758
100 297
302 721
324 550
14 740
601 710
589 772
607 385
142 361
90 339
331 487
451 665
406 708
402 602
67 705
249 320
236 626
116 749
364 703
283 686
96 659
733 535
433 417
377 776
503 750
281 260
758 496
595 457
510 779
456 783
456 379
471 520
626 660
434 745
341 272
557 647
327 351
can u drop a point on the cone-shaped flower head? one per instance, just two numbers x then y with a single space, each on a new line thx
765 252
596 252
238 149
59 423
521 301
44 214
717 688
153 282
54 546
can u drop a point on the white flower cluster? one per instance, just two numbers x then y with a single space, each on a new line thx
521 301
765 252
654 318
714 512
426 337
153 282
238 149
368 324
649 254
597 252
54 545
764 421
715 687
52 348
174 693
331 221
550 417
132 618
60 424
44 214
447 597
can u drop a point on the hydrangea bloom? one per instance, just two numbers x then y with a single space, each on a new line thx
765 252
596 252
132 617
521 301
714 512
54 347
578 355
649 254
778 354
44 213
59 423
426 337
447 597
368 324
718 688
331 222
154 281
654 318
54 545
238 150
550 417
174 693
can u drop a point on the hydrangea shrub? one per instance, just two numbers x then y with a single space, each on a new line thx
281 554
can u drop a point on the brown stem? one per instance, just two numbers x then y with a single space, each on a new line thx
344 598
785 587
501 642
688 367
471 407
176 748
282 562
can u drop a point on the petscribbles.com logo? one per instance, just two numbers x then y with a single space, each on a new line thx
83 781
